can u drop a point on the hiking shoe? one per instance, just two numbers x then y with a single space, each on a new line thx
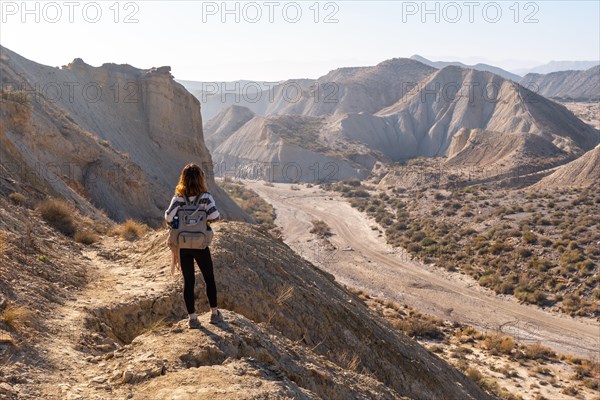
193 323
216 318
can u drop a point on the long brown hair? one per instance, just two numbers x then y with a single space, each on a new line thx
192 181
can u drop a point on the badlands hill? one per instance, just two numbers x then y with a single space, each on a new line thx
113 137
455 98
219 128
291 148
471 117
577 85
479 67
582 172
353 89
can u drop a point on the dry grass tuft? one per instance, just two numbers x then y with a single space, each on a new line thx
537 351
59 214
130 230
499 344
85 237
3 243
17 198
17 317
284 295
348 360
419 327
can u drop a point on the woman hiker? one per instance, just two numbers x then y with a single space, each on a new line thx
192 183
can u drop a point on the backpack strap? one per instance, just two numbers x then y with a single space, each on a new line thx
187 200
197 201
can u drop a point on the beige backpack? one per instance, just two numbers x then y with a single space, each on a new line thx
189 230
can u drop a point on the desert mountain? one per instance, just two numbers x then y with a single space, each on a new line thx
114 135
556 66
466 115
454 100
577 85
343 90
479 67
582 172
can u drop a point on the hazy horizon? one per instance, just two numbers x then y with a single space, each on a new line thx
202 41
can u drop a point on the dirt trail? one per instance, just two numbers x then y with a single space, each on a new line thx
380 269
118 275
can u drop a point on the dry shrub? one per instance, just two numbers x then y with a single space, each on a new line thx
421 328
320 228
85 237
570 391
59 214
474 374
17 198
499 344
17 317
348 360
18 96
3 243
284 295
130 230
537 351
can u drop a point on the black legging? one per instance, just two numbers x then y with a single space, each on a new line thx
204 260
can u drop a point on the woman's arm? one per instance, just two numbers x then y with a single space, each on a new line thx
176 202
212 214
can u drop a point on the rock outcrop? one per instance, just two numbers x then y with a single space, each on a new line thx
81 119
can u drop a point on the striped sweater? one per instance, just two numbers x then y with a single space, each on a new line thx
207 203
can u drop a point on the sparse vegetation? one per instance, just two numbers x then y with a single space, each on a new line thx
483 356
18 96
509 242
262 212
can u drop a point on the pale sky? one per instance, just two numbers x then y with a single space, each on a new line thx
201 42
